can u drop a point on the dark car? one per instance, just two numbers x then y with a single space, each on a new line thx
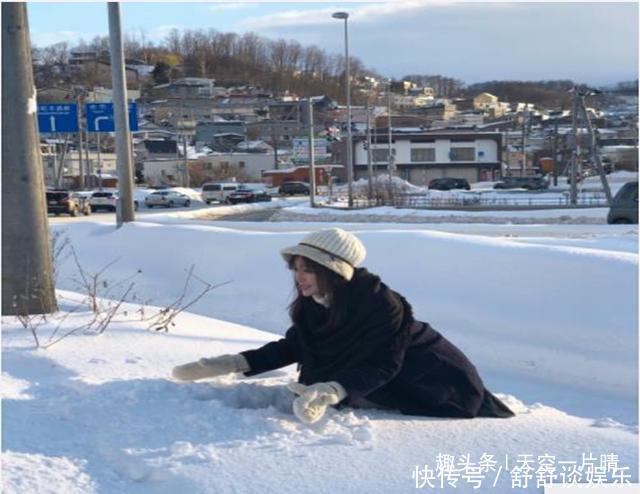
624 207
528 183
448 183
292 188
67 202
248 194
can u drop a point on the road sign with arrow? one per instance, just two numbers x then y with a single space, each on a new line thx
57 117
100 117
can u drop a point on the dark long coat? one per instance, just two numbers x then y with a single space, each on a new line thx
381 354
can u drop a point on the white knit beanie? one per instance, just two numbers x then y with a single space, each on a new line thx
333 248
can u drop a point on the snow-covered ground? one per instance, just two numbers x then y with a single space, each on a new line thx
547 312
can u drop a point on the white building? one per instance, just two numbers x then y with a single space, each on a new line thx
421 157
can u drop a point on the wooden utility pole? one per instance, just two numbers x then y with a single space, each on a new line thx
27 274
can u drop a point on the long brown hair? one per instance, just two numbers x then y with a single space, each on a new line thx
330 283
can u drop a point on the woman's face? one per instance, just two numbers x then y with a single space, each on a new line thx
305 279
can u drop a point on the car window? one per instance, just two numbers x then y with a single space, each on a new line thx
628 192
229 187
56 195
212 187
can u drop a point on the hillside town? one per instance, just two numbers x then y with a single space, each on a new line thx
192 130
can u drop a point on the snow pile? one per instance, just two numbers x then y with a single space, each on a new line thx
551 324
303 212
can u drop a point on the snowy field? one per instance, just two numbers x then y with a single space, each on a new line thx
547 312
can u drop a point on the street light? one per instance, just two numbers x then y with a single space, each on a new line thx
345 16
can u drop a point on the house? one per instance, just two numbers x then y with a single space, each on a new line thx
251 165
97 65
279 132
206 131
484 101
422 156
297 110
439 111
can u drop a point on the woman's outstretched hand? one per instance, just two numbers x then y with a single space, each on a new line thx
211 367
312 401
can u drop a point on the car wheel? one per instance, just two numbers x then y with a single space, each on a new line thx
73 212
113 209
621 221
170 204
187 203
207 202
87 211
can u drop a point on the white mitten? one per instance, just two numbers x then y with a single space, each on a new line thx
312 401
211 367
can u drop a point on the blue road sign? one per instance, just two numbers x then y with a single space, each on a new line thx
57 117
100 117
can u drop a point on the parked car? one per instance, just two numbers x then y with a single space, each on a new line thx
248 194
529 183
218 191
167 198
107 200
448 183
624 207
67 202
292 188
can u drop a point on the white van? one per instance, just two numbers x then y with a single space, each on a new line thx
218 191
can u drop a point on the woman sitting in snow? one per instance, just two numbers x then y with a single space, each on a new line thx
356 343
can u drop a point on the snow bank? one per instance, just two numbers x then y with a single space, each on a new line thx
550 319
560 315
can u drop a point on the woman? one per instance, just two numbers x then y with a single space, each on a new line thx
356 343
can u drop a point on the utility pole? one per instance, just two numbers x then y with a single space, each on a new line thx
555 152
390 157
27 269
576 152
312 157
369 161
508 157
98 150
524 141
80 146
595 155
89 166
185 175
124 209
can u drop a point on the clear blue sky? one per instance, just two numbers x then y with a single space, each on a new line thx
588 42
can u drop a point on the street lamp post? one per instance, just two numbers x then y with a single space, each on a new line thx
345 16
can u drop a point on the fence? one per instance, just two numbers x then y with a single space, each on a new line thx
477 202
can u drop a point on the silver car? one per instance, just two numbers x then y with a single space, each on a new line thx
167 198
